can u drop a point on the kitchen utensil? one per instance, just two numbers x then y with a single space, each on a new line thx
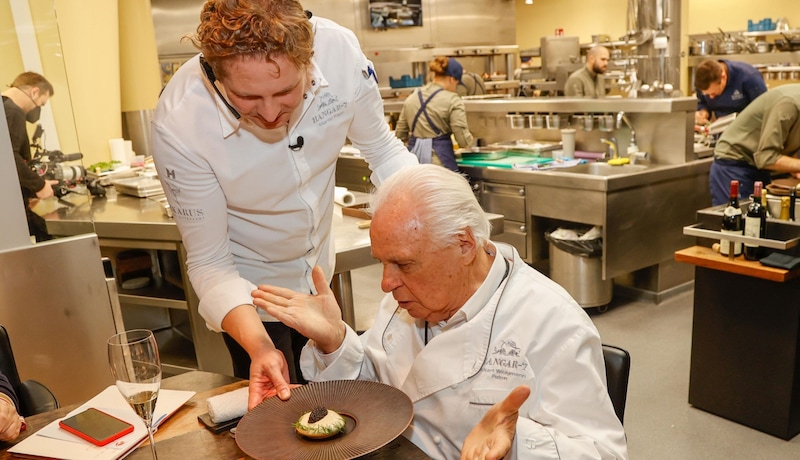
536 121
517 121
701 47
568 143
727 44
762 46
553 121
374 413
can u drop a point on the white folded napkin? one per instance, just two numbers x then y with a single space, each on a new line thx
228 406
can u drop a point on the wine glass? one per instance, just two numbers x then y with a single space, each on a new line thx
136 367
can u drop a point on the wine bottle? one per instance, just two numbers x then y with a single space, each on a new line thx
755 223
784 208
732 222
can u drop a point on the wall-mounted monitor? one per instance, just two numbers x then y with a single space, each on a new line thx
399 13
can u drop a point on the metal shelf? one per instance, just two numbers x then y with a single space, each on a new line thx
696 230
767 33
750 58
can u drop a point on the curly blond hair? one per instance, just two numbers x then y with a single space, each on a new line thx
438 67
254 29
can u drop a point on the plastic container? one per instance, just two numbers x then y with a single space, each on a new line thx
405 82
517 121
577 265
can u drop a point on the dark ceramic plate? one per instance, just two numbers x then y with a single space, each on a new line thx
375 414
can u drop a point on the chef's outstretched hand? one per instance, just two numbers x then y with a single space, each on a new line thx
317 317
492 437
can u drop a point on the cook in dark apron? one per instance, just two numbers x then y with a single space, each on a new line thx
424 148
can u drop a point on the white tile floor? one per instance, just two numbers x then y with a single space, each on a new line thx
659 421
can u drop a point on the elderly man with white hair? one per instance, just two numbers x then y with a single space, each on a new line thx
498 360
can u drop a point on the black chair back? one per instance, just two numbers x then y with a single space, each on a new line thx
34 397
618 370
7 363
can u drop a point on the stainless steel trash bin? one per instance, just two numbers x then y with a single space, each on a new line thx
581 276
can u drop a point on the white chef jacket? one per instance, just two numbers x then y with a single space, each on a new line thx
251 212
528 331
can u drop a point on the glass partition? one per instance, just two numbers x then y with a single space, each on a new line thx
30 41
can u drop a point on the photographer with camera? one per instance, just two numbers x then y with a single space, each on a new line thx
23 102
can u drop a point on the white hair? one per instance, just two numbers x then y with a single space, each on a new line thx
444 200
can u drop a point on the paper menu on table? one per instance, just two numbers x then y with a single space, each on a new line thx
54 442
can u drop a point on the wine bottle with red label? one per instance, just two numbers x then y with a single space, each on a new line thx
755 223
732 222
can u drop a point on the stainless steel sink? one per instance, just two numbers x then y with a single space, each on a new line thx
605 169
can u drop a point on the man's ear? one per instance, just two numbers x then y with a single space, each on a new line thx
467 243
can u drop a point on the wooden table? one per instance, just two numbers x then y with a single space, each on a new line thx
745 358
183 437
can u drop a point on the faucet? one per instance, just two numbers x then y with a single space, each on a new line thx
612 147
613 152
621 117
634 153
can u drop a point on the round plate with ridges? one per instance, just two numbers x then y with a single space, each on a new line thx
375 414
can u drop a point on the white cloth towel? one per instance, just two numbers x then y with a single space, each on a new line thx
228 406
343 197
423 149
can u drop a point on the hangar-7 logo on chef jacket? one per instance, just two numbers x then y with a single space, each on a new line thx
505 361
196 214
329 108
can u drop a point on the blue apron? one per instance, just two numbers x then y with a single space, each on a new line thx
441 144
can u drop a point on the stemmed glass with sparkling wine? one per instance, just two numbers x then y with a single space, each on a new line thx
136 367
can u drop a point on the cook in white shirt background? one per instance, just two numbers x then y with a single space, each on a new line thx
245 141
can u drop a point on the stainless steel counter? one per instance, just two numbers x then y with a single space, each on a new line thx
122 221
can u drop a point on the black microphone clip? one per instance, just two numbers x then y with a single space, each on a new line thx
298 145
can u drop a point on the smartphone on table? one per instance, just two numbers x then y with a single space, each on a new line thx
96 426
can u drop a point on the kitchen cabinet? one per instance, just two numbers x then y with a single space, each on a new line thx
745 357
161 306
168 305
507 199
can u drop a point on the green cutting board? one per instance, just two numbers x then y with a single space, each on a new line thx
507 162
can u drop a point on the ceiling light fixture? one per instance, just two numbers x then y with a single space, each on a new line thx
529 2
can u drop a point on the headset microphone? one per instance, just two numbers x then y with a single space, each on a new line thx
298 145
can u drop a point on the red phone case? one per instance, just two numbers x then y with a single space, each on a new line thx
98 415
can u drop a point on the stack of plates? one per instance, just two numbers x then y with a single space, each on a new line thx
139 186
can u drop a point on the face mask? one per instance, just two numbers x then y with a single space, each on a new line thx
33 115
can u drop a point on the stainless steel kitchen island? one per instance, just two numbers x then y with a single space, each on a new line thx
127 222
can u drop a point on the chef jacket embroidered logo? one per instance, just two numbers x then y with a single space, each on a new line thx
505 362
328 109
196 214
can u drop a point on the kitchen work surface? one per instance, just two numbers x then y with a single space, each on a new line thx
507 162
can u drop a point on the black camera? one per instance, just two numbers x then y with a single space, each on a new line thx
49 164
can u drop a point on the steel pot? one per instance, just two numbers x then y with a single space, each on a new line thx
762 47
701 47
728 46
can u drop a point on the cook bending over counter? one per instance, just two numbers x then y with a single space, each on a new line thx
725 87
497 358
435 111
764 137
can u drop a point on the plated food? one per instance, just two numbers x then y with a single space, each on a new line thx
363 405
320 423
